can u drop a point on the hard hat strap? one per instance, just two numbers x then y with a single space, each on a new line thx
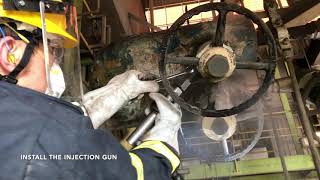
12 77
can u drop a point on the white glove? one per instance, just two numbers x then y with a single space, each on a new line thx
167 123
102 103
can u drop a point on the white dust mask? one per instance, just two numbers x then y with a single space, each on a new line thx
58 84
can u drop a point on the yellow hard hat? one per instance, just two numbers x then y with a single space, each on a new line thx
55 23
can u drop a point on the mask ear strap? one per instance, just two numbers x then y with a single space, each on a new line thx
12 77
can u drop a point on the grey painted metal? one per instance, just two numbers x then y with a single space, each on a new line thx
252 65
239 63
225 147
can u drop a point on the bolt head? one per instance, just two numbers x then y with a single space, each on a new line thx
218 66
21 3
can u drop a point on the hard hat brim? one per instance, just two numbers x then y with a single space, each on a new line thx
55 23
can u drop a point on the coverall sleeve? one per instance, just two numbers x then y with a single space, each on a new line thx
151 160
154 160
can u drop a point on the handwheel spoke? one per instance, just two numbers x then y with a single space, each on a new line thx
187 71
217 40
252 65
221 25
182 60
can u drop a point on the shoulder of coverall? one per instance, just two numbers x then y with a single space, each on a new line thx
43 103
34 123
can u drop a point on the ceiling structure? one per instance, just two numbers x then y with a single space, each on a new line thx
168 3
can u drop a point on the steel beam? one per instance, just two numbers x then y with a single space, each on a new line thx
249 167
144 22
292 2
303 31
279 176
301 13
123 7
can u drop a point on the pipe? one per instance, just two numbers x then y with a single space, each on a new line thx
280 150
147 123
142 128
304 117
151 14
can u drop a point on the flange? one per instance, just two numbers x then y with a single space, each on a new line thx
219 129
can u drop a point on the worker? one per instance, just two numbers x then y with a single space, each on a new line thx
43 137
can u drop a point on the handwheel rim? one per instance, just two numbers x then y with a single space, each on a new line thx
244 105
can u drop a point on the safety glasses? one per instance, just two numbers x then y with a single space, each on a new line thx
56 48
55 43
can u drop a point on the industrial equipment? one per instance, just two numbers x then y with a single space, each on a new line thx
251 106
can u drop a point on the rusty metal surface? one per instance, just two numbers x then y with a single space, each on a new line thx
142 52
282 32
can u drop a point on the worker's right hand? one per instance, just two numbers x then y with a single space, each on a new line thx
167 123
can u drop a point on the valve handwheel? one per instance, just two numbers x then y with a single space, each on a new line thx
216 62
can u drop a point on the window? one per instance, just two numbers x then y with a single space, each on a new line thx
165 17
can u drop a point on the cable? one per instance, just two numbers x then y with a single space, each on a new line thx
3 35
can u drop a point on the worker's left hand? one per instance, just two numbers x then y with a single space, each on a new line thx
131 84
102 103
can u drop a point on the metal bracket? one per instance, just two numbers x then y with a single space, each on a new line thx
271 8
104 37
104 28
99 25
